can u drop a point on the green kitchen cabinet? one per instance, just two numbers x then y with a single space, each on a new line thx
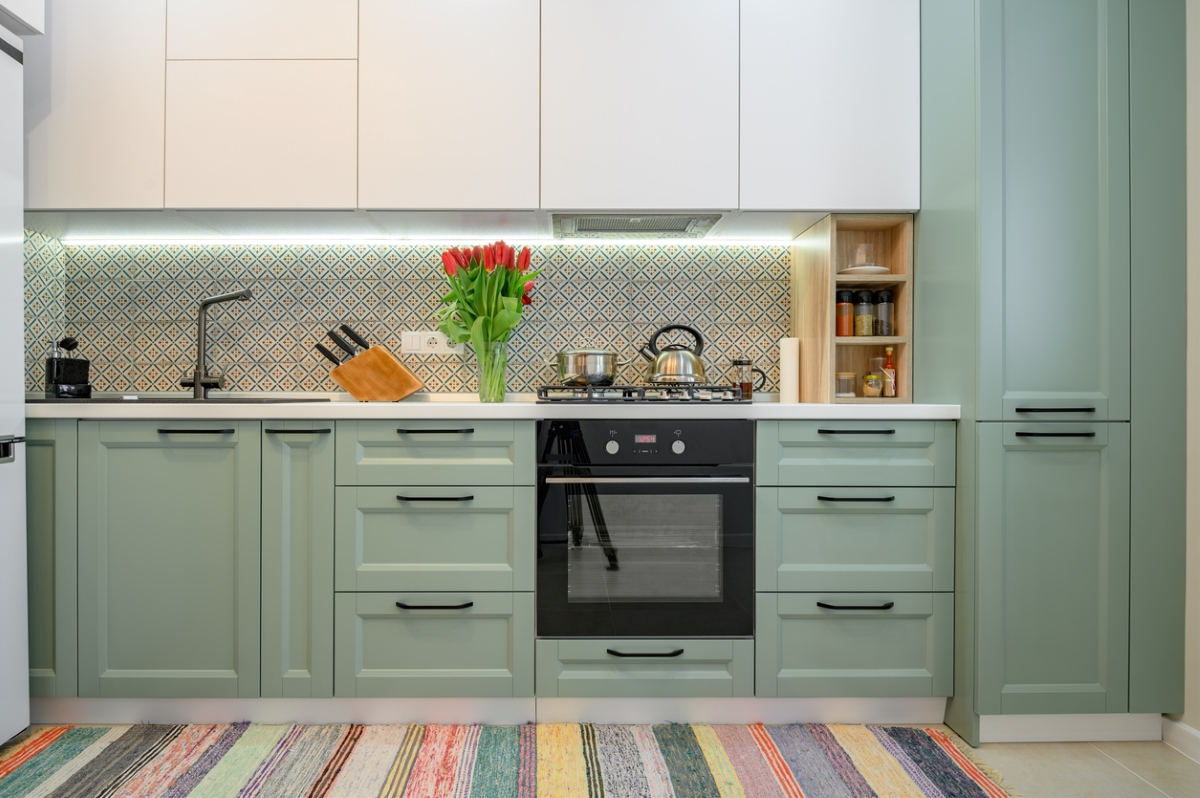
854 539
1054 589
169 557
438 452
50 485
459 644
1055 205
638 668
842 645
297 559
431 539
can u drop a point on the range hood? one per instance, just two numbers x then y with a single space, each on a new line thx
658 225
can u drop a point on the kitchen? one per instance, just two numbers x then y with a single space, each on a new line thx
661 383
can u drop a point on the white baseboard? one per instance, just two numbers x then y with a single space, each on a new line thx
1069 728
741 710
1182 737
283 710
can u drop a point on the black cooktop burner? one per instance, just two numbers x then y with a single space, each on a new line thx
677 392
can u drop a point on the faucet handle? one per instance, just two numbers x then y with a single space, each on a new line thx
208 381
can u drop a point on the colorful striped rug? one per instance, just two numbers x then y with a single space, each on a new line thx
546 761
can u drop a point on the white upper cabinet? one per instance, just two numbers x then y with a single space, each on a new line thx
261 134
639 104
94 106
262 29
23 17
448 94
830 105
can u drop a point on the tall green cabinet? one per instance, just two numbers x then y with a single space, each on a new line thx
1049 305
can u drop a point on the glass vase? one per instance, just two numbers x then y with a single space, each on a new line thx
493 368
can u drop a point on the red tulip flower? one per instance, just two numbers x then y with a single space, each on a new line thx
489 259
449 263
523 261
526 299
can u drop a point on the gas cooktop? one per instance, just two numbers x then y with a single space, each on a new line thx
676 392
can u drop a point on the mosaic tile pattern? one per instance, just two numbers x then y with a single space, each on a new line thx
133 308
45 302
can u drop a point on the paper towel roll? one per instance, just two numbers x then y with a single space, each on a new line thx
789 370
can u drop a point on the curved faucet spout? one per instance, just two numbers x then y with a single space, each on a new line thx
201 380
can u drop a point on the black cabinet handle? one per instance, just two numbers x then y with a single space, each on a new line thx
1056 410
1056 434
298 431
856 432
885 606
196 431
435 498
856 498
462 606
466 431
616 653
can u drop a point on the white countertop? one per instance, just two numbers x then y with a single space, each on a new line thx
451 406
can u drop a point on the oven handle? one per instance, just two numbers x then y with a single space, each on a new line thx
638 480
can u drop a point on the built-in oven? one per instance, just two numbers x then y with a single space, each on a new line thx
645 528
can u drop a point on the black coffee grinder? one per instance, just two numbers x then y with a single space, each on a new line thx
67 377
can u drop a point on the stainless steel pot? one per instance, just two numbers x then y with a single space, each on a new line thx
587 366
675 363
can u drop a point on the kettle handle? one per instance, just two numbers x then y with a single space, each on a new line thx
653 345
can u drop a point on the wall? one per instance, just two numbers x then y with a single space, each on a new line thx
133 307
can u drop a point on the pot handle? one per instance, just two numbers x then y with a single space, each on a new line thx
653 345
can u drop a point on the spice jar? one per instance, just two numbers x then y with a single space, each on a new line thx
844 385
885 312
872 384
864 313
845 312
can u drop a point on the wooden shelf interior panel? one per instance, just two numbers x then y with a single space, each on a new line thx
858 360
812 310
891 234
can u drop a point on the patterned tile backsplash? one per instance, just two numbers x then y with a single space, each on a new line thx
133 307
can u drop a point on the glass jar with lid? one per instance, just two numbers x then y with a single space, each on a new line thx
844 385
864 312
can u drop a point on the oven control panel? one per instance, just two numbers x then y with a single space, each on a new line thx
654 441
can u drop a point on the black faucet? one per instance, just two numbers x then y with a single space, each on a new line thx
201 381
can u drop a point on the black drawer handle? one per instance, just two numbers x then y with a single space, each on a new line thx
298 431
1056 410
856 432
435 498
462 606
856 498
466 431
885 606
1056 434
616 653
196 431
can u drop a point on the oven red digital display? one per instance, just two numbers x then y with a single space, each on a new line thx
645 439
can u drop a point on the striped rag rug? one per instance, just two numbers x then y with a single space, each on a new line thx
564 760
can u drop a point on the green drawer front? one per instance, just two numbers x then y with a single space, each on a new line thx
485 650
851 453
435 538
898 539
435 453
806 651
586 669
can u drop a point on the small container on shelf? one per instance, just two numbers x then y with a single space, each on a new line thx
845 312
872 384
885 312
889 375
864 312
846 382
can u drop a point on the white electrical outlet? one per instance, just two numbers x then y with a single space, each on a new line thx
428 342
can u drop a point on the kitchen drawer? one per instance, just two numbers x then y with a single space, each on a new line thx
435 538
435 452
483 649
804 650
855 539
587 669
866 453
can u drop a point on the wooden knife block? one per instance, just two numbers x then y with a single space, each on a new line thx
376 376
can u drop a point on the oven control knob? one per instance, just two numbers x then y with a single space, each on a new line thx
678 447
612 447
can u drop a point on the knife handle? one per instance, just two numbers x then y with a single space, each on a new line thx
342 343
321 348
355 337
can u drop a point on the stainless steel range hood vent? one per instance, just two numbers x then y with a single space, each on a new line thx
632 226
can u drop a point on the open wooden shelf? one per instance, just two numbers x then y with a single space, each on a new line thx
815 258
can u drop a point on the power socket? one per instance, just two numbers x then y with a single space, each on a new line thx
428 342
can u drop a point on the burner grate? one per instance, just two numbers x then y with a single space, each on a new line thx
677 392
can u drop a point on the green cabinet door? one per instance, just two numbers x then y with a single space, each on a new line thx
422 538
435 452
1055 209
868 453
50 485
1053 568
297 559
169 558
437 645
638 668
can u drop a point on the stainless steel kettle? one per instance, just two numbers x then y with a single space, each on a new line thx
675 363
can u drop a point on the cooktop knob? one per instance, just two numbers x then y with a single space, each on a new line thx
612 447
678 447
